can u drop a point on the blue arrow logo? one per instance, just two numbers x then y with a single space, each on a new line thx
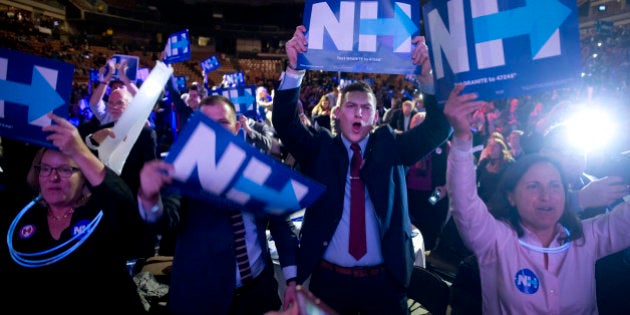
538 18
182 43
39 96
246 98
400 26
276 200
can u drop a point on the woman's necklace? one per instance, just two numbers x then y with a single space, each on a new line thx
65 215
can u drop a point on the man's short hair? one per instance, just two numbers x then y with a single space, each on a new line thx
358 86
216 99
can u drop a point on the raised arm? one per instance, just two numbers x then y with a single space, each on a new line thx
478 228
122 74
420 56
65 136
296 45
97 105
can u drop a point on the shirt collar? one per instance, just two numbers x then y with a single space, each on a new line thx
362 143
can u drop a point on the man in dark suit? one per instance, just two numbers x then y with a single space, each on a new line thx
402 119
205 278
143 150
374 281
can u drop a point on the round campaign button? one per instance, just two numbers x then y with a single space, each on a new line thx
79 227
526 281
27 231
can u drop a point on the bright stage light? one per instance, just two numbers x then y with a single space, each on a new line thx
591 128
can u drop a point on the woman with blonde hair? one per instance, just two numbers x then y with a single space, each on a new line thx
321 112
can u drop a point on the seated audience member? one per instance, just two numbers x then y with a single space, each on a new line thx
208 276
71 244
535 256
106 87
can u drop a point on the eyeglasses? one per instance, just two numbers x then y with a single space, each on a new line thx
63 171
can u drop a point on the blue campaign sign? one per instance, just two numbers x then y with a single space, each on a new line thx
502 48
213 164
177 47
131 71
210 64
243 97
180 80
233 79
361 36
31 87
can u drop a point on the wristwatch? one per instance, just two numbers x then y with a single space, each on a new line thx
91 143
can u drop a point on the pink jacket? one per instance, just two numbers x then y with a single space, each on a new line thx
513 277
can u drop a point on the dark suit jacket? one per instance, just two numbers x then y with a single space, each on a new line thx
398 120
204 266
144 150
325 159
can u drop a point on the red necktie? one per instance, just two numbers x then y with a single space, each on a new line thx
357 246
238 228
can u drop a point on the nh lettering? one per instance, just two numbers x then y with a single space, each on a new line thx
342 31
216 174
490 27
526 281
78 229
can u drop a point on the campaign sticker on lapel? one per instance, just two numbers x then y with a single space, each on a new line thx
502 48
214 165
361 36
243 97
177 47
31 87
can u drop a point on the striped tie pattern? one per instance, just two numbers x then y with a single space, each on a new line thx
238 228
